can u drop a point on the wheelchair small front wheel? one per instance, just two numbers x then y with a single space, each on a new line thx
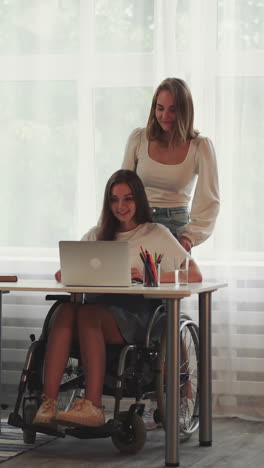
30 409
132 435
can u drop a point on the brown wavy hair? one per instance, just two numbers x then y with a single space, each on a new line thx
109 225
183 129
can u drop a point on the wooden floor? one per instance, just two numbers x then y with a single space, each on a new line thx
236 444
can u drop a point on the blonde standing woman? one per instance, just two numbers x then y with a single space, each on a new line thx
173 161
178 168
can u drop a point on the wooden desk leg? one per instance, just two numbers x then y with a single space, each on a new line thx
173 383
205 369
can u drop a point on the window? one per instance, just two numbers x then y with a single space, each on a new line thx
77 77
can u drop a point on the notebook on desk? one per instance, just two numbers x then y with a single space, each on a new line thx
95 263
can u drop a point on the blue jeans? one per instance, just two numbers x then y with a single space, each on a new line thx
172 218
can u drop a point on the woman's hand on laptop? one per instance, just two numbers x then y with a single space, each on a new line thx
136 275
58 276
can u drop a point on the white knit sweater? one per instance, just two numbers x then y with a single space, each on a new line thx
153 237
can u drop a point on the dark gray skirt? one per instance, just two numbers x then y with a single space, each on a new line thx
131 313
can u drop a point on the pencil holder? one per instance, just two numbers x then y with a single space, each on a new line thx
151 275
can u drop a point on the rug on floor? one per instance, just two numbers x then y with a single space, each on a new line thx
11 441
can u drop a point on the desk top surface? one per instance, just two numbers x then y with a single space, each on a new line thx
165 290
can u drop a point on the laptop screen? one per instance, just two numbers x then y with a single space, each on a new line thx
95 263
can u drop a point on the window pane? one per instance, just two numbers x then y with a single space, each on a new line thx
240 104
124 25
39 153
117 112
240 24
39 27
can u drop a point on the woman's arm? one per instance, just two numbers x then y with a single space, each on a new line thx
131 150
174 254
194 274
206 200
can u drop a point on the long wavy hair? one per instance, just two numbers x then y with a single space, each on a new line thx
109 224
183 129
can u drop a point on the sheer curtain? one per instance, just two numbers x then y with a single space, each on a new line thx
75 78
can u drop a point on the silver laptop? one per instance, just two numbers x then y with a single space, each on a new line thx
95 263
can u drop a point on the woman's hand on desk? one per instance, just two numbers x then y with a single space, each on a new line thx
58 276
136 275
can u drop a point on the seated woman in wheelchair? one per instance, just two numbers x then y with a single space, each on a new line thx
112 319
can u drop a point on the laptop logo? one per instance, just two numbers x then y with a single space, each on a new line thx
95 263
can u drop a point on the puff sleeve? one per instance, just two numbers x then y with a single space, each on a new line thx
131 150
91 235
206 200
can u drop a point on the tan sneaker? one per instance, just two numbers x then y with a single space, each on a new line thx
46 412
81 413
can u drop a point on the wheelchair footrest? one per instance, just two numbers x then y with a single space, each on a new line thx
45 430
88 432
16 421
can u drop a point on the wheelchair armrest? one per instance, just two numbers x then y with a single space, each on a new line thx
58 297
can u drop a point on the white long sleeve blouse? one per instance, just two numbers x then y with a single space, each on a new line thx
170 186
151 236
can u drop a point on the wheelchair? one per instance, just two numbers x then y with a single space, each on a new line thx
136 372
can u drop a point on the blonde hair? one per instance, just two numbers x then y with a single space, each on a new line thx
183 129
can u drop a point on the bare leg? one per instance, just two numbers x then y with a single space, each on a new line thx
96 327
58 348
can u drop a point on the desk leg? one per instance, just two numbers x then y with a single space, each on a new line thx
0 356
205 361
173 382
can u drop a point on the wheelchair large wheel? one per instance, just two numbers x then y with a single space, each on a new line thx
189 385
132 436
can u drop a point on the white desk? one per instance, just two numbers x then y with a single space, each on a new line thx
172 295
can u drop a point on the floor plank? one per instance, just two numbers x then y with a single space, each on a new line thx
236 444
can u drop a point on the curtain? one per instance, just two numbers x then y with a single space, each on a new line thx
76 77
